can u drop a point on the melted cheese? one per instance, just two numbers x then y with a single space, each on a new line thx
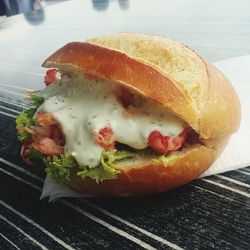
82 107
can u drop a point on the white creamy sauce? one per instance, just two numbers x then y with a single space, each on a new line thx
82 107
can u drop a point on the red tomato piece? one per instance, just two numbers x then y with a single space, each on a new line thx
158 142
163 144
51 77
176 142
105 138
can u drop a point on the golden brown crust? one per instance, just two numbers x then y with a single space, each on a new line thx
218 114
221 114
151 177
170 57
118 67
218 107
216 144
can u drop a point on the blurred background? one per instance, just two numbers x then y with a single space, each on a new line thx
216 29
30 30
14 7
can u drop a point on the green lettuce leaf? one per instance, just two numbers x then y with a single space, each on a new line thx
34 154
163 159
25 118
59 166
36 100
105 170
98 173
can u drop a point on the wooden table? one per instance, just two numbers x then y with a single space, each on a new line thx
212 213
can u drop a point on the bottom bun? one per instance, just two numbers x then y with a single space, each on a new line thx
149 177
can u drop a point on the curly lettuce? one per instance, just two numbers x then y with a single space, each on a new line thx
59 167
164 159
36 100
105 170
26 117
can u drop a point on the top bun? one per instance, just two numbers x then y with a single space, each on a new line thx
172 75
162 70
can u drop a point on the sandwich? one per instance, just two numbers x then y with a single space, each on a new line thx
128 114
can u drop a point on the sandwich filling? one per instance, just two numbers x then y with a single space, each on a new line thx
85 119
